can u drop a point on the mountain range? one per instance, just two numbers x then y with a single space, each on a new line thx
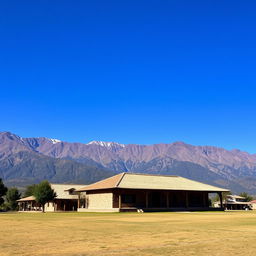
29 160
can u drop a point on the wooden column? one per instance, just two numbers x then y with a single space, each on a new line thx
206 199
167 199
221 199
120 201
146 199
78 202
86 202
187 203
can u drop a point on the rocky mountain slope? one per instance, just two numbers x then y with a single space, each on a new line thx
233 169
19 165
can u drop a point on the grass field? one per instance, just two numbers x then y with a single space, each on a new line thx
90 234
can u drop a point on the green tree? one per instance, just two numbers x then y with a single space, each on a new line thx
3 190
30 190
44 193
12 196
247 197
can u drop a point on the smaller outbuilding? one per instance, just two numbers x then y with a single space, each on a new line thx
66 200
234 202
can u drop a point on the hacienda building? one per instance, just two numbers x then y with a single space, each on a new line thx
66 200
144 192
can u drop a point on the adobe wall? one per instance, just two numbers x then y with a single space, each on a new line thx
49 207
100 201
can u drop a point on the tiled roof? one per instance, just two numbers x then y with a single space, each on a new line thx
111 182
147 181
29 198
62 190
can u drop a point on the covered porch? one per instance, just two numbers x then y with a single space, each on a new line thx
162 200
29 205
65 204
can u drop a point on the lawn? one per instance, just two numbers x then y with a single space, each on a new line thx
90 234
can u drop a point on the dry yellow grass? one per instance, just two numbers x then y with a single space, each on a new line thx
90 234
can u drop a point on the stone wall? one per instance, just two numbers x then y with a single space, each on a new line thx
100 201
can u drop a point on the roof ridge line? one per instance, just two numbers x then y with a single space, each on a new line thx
149 174
117 184
64 184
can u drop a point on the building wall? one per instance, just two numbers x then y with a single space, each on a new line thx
100 201
253 206
49 207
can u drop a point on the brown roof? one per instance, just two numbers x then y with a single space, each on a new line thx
111 182
148 181
29 198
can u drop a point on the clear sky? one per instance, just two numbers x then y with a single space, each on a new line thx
130 71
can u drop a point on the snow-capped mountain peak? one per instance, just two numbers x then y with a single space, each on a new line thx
105 144
54 141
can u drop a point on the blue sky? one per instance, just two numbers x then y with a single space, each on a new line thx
130 71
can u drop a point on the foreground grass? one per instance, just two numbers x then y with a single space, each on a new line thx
91 234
